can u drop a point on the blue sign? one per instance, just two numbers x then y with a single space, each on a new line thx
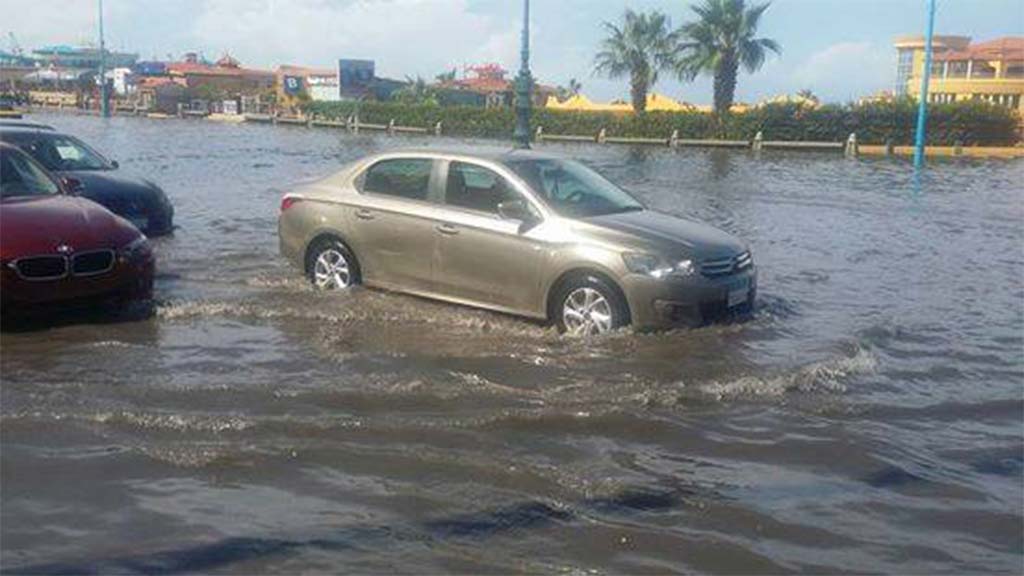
292 85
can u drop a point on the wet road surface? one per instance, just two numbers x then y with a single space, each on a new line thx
867 419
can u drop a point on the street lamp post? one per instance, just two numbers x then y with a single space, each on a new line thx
524 83
104 95
922 106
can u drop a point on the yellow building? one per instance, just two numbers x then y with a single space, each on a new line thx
992 71
655 103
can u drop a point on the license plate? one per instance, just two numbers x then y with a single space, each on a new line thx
738 295
141 223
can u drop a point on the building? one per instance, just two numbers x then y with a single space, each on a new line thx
487 85
70 57
990 71
13 69
224 78
299 83
160 94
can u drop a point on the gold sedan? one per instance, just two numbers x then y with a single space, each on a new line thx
514 231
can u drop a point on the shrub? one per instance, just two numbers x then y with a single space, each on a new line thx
969 123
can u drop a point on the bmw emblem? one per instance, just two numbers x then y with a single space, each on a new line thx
64 249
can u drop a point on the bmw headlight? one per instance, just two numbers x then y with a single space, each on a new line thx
135 250
655 267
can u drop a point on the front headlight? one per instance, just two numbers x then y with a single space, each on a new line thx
135 250
655 267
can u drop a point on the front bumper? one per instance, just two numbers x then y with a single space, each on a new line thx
127 281
675 302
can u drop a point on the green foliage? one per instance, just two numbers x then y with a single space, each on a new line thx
969 123
416 91
208 92
720 41
641 47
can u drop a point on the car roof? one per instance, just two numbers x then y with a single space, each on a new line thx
21 126
496 154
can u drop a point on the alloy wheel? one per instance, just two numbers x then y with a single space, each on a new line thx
331 271
586 312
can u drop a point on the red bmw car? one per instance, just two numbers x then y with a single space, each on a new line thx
58 248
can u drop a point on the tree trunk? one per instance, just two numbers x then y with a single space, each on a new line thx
725 84
638 91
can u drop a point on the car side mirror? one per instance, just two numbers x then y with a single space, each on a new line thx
72 186
114 164
518 210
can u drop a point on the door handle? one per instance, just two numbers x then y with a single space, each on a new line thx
447 229
364 214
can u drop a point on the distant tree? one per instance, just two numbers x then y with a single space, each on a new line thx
719 42
571 89
445 77
808 95
416 91
641 47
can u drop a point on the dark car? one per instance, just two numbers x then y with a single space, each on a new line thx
58 248
91 175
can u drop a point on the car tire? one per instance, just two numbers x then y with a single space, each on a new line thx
330 265
588 305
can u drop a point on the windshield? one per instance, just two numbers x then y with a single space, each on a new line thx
19 176
61 153
571 189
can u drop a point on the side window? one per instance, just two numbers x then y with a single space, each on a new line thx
476 188
402 177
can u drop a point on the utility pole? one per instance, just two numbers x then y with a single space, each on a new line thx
104 95
524 83
922 107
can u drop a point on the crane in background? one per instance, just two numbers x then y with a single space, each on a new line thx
15 47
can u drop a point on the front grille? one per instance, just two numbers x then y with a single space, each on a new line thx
726 266
92 263
42 267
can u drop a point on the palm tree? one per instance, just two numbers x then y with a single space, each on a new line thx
446 77
570 90
641 47
808 95
719 42
416 91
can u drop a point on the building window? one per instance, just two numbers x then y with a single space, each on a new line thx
1014 69
957 69
937 69
982 69
904 69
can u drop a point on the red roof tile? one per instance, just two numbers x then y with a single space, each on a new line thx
1009 48
197 69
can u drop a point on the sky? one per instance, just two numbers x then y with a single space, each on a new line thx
839 49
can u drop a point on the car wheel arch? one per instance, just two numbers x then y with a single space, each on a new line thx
577 272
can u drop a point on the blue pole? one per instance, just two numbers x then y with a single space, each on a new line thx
922 107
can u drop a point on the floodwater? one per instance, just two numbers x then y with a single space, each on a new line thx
868 418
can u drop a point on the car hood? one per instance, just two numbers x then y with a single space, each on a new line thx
109 184
38 225
671 234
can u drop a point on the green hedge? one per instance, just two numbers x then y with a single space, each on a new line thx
967 123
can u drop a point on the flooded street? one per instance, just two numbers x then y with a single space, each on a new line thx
868 418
